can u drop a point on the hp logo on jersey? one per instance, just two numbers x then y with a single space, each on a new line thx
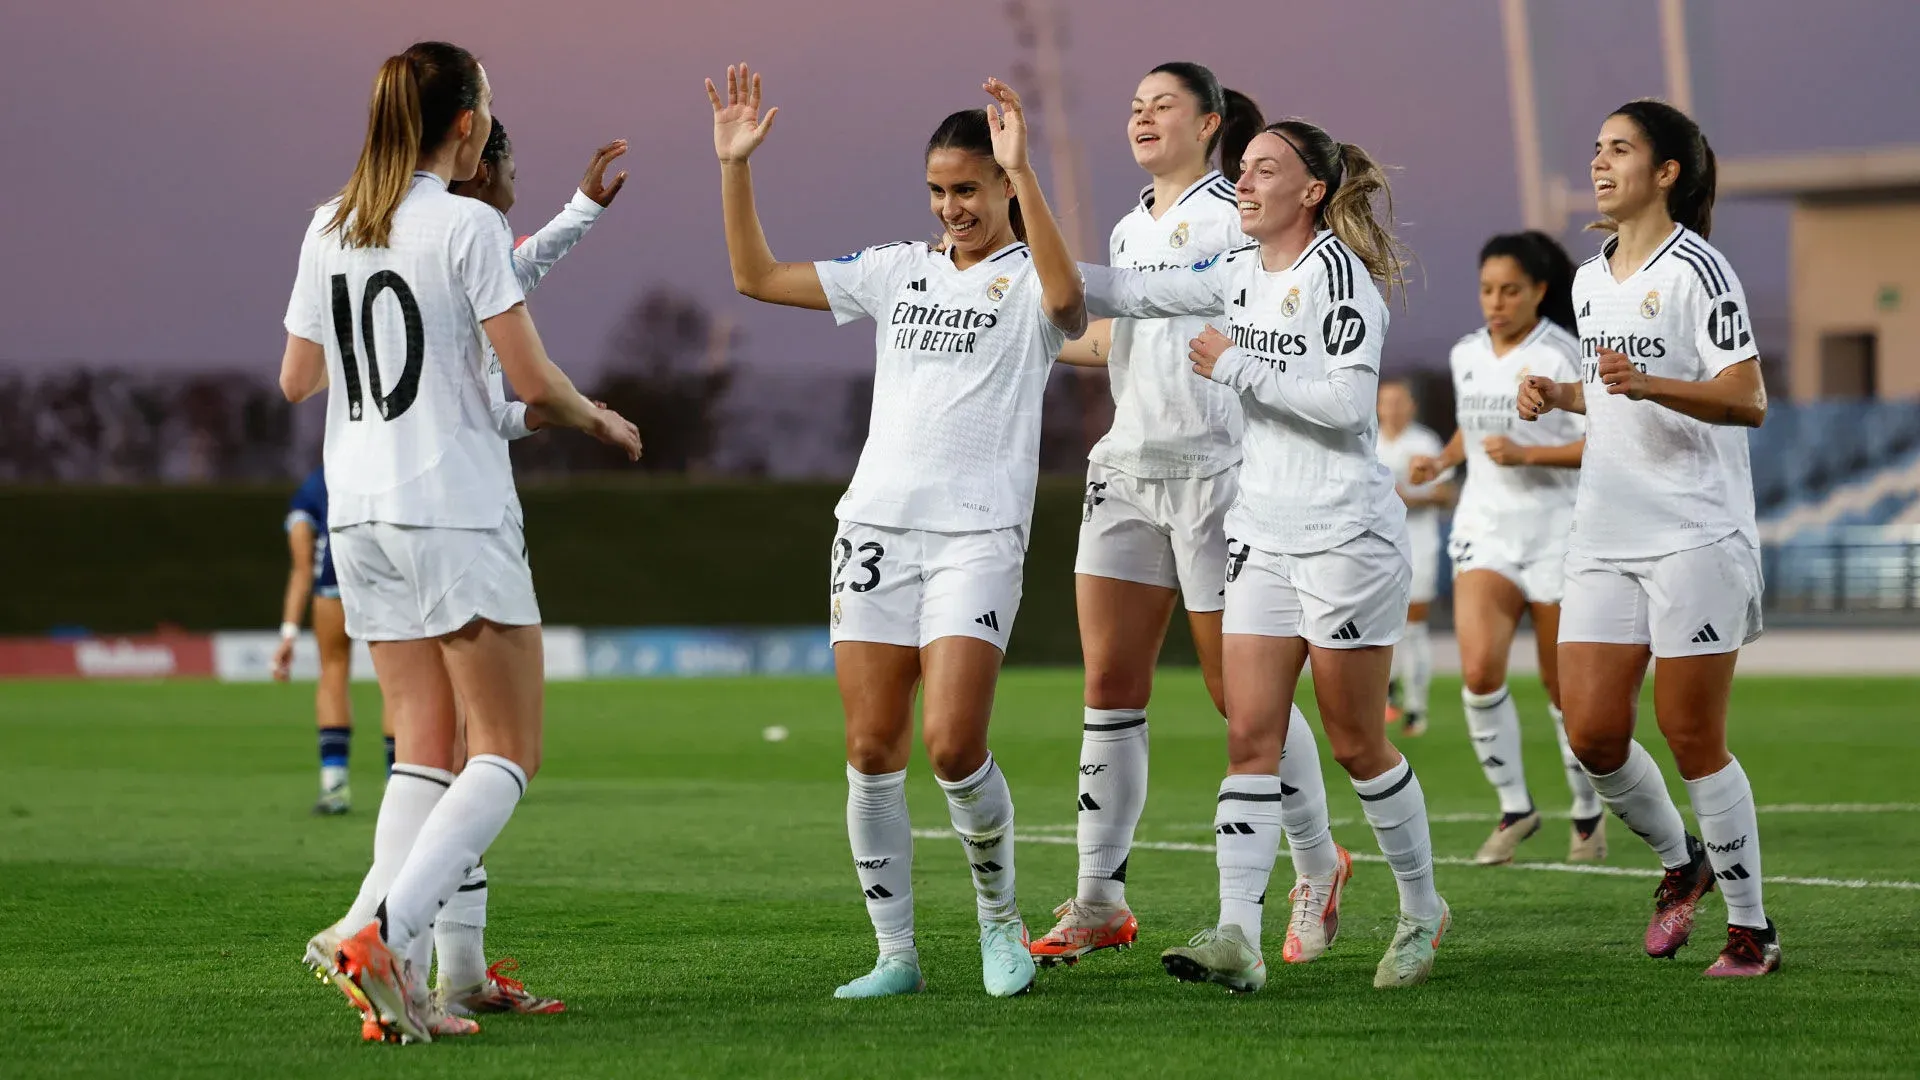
1344 330
1727 326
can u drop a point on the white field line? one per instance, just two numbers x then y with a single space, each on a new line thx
1052 834
1467 818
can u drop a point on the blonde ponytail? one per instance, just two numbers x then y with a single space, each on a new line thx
1350 214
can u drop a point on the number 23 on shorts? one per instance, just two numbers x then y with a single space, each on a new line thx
866 571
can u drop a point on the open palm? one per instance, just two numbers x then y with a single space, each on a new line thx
738 127
1007 125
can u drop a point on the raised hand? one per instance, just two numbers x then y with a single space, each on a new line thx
738 127
1007 124
1537 397
594 185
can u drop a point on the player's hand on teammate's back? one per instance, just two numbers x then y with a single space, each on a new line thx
1007 127
594 184
1538 396
738 127
1504 451
1205 351
1619 376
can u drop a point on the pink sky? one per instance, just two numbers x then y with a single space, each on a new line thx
160 158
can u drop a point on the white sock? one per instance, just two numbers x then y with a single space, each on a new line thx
882 841
1494 724
1637 794
456 835
1417 646
1724 804
1586 801
412 793
1303 808
1397 809
1113 792
981 809
1246 838
459 934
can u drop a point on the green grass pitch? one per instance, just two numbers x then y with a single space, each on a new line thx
684 884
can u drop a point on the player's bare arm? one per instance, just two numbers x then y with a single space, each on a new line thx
1061 292
1736 397
543 386
1504 451
738 130
303 369
1540 395
1092 348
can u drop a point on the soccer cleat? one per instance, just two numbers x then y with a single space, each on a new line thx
384 981
1675 899
1413 724
892 976
1590 846
1085 926
1316 911
498 993
1218 955
440 1022
1006 960
322 959
1409 958
334 801
1749 953
1513 828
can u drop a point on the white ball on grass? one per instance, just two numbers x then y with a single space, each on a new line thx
776 733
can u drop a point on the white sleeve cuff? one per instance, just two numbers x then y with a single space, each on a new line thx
581 203
1230 369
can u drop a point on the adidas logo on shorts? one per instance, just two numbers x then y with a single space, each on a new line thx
1706 635
1349 632
991 620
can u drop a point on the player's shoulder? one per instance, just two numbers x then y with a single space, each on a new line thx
1213 199
1425 439
1338 277
892 251
1558 339
1470 347
1693 261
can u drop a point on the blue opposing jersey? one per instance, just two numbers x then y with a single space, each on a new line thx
310 505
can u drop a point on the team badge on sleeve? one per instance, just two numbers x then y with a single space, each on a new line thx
851 256
1179 237
1206 262
1291 305
1650 307
998 290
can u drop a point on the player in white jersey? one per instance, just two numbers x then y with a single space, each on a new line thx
1319 566
1509 543
1401 442
926 569
1154 527
1664 563
399 281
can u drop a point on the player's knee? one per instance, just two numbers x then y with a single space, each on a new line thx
1481 674
1115 688
1252 746
1697 754
1599 752
872 756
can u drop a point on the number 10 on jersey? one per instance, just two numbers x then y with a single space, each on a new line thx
393 405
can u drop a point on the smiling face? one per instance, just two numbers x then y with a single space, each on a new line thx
1627 180
1275 189
1509 299
971 197
1168 128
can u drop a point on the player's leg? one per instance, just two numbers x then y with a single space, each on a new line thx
877 682
332 705
1486 609
1587 839
1704 605
1411 674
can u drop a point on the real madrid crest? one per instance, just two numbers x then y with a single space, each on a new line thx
1179 237
1651 305
1291 305
836 611
998 290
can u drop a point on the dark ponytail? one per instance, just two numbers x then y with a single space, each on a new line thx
967 131
417 97
1545 262
1240 118
1675 137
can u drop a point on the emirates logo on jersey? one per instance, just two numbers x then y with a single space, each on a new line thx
1650 307
1291 305
998 290
1180 236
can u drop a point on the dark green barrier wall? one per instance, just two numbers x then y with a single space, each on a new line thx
660 553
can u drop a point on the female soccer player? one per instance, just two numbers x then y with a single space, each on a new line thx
1158 487
1509 543
1319 566
926 568
313 575
1401 441
398 282
1664 561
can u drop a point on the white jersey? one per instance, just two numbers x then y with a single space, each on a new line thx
533 256
1530 504
1655 482
1304 487
963 356
1397 454
1166 423
411 438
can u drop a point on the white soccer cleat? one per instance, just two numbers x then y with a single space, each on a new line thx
1316 911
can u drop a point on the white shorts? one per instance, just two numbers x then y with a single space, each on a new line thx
1170 533
1697 602
1349 597
408 583
1540 574
911 587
